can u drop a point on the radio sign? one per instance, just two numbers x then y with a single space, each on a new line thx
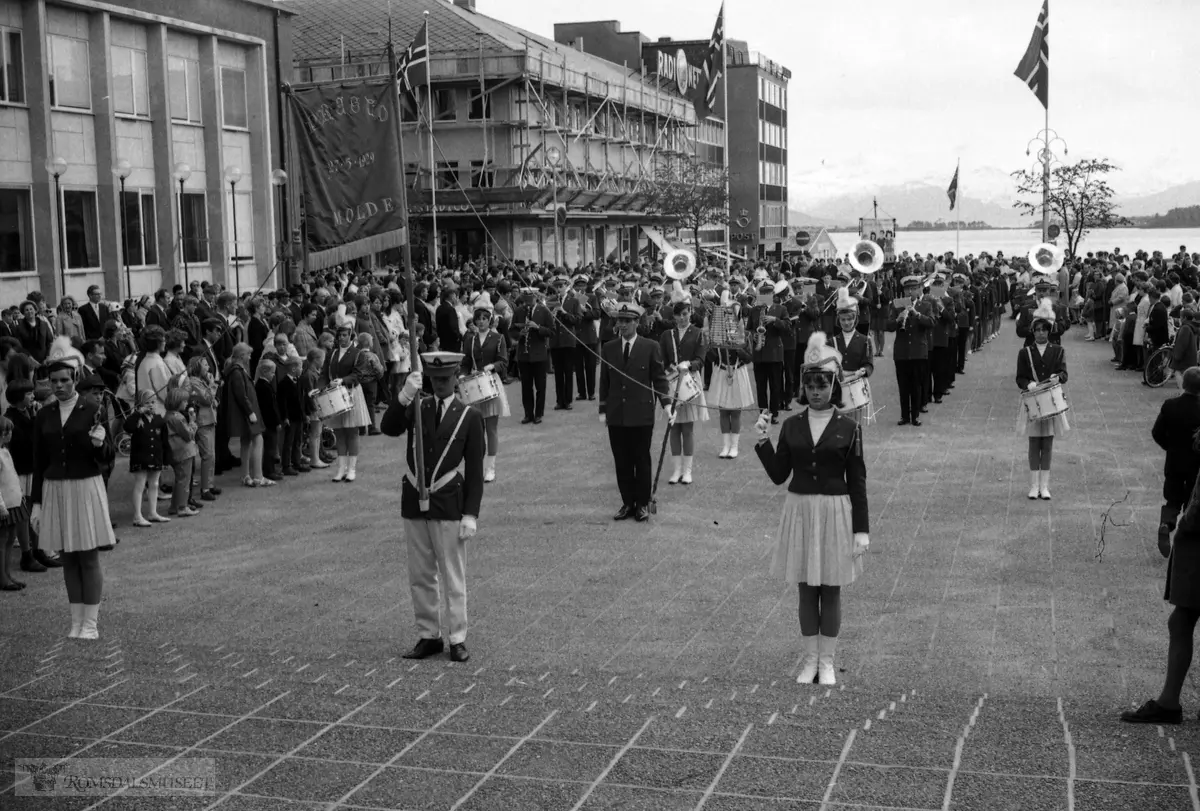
675 67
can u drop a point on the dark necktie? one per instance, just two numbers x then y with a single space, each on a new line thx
441 410
626 353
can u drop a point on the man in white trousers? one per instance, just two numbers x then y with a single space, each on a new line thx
436 532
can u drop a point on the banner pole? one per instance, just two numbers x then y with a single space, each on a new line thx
958 219
433 180
418 443
725 149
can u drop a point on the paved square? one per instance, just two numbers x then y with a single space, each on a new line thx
984 656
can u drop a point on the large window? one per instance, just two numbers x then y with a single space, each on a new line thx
447 175
195 228
12 80
80 229
131 94
233 98
240 206
481 177
16 231
140 238
444 107
70 73
481 106
183 79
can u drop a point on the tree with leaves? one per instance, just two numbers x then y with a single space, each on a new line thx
1080 199
693 193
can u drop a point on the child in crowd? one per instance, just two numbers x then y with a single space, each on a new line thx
13 511
308 383
181 439
147 455
268 404
291 410
369 382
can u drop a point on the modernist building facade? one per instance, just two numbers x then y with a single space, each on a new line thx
136 136
522 126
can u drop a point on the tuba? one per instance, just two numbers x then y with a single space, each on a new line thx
867 257
1046 258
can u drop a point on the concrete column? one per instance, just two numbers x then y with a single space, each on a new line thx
166 190
37 90
108 187
258 77
218 240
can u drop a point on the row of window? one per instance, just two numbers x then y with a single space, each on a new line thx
772 174
71 81
772 215
772 134
710 132
449 176
772 92
80 234
531 234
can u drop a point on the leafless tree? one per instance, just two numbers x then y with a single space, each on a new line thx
693 193
1080 199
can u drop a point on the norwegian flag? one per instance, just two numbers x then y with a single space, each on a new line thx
714 68
952 192
1034 69
413 69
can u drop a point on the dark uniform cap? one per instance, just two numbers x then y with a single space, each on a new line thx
441 364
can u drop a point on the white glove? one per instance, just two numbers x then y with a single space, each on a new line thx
862 542
683 366
35 518
1032 385
490 367
671 414
763 426
1054 378
412 385
466 527
97 434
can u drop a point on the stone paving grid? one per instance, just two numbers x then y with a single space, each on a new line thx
992 585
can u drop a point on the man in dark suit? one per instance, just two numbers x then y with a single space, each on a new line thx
627 396
588 347
562 342
1174 431
94 313
445 320
772 320
532 327
157 316
94 356
453 437
910 350
944 336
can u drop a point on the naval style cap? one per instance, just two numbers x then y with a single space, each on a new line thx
441 364
628 310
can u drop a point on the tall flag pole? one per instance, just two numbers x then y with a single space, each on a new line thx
432 163
1034 70
410 287
716 70
952 193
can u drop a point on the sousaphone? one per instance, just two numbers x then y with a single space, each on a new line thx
867 257
1046 258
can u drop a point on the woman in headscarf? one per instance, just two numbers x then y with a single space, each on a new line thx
68 497
342 368
1037 364
823 530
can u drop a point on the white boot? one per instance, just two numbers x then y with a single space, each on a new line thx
733 449
687 470
726 441
827 646
351 468
1034 483
76 620
489 469
341 471
1044 485
88 630
678 474
808 668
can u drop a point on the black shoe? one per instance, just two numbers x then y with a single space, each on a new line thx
195 505
774 419
937 400
787 408
208 495
568 407
916 423
30 564
290 471
527 420
424 649
625 512
904 421
593 397
559 407
458 652
47 561
1152 713
641 513
216 491
537 420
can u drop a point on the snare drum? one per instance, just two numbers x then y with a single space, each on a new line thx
856 393
332 402
688 389
478 388
1045 401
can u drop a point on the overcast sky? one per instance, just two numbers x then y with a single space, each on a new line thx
892 91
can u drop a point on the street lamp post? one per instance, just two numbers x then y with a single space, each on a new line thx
279 180
1044 142
58 167
553 159
182 173
233 174
122 170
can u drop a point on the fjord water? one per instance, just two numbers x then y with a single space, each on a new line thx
1128 240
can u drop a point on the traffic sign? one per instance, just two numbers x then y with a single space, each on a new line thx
803 238
1053 231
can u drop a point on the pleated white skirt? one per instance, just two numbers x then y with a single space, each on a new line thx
75 515
359 416
815 541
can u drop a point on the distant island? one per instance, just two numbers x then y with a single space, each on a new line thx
1187 217
942 225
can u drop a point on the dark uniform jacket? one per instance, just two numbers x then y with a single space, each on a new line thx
627 392
1174 429
463 495
62 452
94 316
534 347
772 348
912 340
21 445
347 367
856 355
944 322
1053 362
691 347
833 467
1025 324
446 324
566 318
585 330
493 351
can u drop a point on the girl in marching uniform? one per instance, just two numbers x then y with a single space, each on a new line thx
683 346
732 393
823 530
855 349
487 351
342 369
1040 363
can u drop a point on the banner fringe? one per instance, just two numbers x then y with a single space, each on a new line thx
320 260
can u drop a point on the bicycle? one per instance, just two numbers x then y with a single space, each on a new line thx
1157 370
116 411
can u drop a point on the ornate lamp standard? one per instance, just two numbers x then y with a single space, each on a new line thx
1044 143
58 166
233 174
182 173
122 170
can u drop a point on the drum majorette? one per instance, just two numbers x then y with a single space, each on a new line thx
857 363
1041 373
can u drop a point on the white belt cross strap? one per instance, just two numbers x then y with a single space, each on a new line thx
445 479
